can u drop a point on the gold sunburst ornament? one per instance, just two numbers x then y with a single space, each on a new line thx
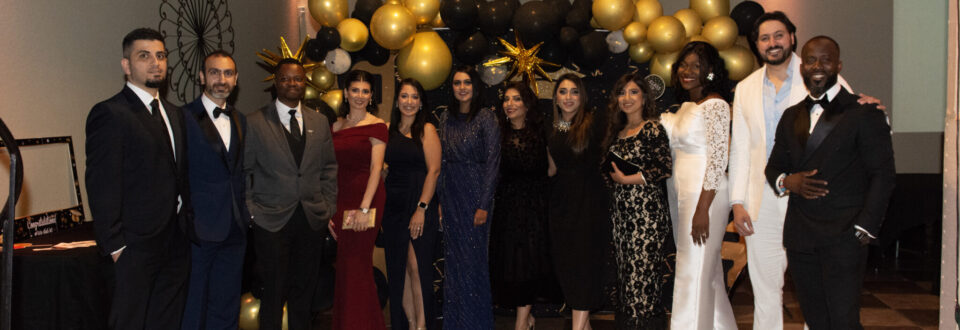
525 61
271 59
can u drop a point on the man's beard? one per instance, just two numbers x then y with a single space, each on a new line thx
155 83
784 55
817 90
213 91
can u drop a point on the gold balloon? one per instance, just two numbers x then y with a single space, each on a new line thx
310 93
393 26
437 21
710 8
720 31
739 61
646 11
635 33
322 77
691 21
613 14
328 12
423 11
333 98
696 38
662 64
641 52
666 34
249 310
353 34
427 59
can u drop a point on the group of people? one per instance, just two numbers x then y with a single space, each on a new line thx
518 199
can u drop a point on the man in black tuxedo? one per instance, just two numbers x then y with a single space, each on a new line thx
291 172
835 159
137 184
215 136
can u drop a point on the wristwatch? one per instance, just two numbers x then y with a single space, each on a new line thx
364 210
422 205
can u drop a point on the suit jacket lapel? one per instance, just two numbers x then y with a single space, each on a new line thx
832 114
279 133
143 114
310 123
236 141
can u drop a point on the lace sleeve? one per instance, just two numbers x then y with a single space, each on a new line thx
716 119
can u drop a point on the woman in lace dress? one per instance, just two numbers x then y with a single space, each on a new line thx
518 236
699 133
640 212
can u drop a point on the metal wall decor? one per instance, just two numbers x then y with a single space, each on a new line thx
193 29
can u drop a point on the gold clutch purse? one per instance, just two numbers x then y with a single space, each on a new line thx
371 219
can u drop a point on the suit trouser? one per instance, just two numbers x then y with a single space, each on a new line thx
213 297
151 281
767 262
289 263
828 281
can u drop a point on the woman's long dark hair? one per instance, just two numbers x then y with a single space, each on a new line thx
710 62
355 76
579 136
419 120
618 119
454 104
529 100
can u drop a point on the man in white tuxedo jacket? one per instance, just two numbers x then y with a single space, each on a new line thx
758 212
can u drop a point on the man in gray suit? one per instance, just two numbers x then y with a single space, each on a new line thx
291 172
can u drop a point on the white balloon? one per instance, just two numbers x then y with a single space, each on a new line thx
494 74
337 61
615 42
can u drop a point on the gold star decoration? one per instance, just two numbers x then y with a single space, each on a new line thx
525 61
271 59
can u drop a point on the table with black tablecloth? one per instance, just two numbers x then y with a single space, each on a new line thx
61 289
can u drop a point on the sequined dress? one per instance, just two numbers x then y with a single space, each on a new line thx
468 179
641 224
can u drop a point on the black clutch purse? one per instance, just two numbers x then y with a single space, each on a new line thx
626 167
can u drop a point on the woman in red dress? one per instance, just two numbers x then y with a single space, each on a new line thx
359 139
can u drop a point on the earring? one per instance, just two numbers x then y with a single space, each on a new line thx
710 76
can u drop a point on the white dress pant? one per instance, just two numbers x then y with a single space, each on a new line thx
767 262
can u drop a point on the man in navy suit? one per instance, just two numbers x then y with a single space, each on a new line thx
137 185
215 144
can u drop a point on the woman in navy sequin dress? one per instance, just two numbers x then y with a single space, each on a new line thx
470 138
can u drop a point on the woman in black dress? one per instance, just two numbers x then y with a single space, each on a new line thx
410 219
579 199
518 238
641 220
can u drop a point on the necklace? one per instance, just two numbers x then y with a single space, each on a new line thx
561 125
352 120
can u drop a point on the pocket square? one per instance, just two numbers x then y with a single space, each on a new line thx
309 131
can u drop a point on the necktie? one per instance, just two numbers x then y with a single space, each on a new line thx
218 111
294 125
158 118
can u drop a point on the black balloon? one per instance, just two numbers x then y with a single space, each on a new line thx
582 4
560 8
553 52
375 54
745 14
513 4
459 14
329 38
471 50
314 50
569 37
535 21
593 51
579 19
364 10
495 18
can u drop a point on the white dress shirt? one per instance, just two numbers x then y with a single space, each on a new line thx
284 112
147 98
222 123
817 110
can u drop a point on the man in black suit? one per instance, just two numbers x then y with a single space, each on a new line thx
215 136
291 172
835 159
136 181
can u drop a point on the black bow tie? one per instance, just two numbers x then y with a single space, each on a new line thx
823 102
218 111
